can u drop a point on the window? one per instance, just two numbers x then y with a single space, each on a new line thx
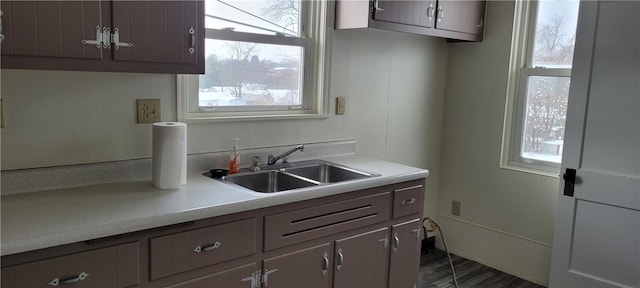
264 58
540 75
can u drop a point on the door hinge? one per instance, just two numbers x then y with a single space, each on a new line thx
264 279
98 41
115 39
254 279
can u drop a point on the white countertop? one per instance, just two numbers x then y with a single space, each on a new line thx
45 219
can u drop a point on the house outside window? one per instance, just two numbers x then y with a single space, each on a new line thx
263 59
539 81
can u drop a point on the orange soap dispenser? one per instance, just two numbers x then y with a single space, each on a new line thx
234 158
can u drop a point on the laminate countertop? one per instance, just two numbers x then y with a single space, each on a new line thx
37 220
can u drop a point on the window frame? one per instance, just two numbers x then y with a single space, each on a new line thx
314 38
520 69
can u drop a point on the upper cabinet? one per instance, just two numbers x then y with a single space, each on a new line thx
452 19
124 36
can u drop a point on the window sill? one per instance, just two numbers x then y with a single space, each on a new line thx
254 118
532 169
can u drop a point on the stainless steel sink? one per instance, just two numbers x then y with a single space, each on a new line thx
269 181
328 173
277 178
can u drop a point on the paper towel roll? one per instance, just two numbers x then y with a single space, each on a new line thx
169 155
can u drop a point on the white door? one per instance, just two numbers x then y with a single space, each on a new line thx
597 230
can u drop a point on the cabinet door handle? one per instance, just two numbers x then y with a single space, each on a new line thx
207 248
440 13
325 265
431 11
192 35
1 35
68 281
396 242
409 201
340 259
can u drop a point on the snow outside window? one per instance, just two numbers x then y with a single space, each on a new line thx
263 58
541 58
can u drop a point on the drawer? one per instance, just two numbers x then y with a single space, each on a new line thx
117 266
181 252
314 222
407 201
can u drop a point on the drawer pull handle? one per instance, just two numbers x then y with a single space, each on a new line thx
325 266
211 247
409 202
396 242
340 259
68 281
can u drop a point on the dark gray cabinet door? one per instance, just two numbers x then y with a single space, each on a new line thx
157 31
309 268
405 254
461 16
232 278
51 28
418 13
361 260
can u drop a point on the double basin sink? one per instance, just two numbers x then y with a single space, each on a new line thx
295 175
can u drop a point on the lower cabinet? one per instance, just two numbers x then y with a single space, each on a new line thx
239 277
307 268
368 238
405 254
361 260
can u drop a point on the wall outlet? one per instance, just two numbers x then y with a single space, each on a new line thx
455 208
148 110
340 105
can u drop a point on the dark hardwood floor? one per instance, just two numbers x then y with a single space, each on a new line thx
435 272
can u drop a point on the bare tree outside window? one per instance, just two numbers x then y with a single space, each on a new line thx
547 96
554 41
241 73
284 11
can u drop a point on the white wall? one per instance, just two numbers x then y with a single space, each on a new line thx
393 82
506 216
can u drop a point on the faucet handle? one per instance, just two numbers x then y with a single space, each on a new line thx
255 163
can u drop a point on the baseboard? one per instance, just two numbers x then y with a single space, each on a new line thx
513 254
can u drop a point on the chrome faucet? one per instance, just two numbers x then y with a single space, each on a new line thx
273 159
